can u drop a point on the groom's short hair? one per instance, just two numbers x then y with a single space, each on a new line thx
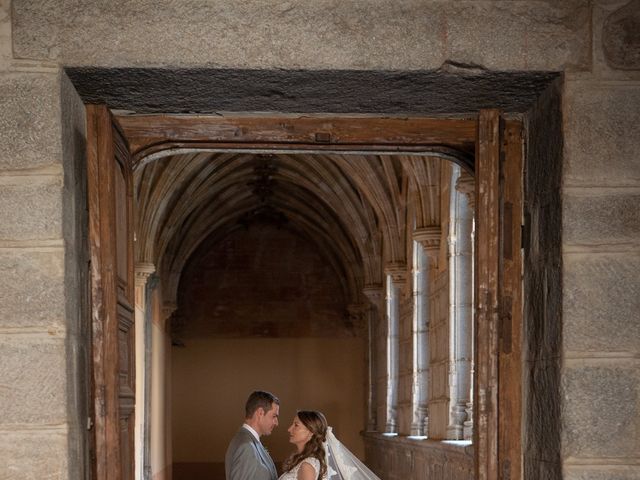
259 399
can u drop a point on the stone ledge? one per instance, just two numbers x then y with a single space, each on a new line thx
400 457
443 446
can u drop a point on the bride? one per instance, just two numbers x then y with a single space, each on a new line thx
319 455
308 432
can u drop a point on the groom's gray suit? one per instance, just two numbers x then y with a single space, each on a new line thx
247 459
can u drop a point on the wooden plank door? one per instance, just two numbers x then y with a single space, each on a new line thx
112 288
498 297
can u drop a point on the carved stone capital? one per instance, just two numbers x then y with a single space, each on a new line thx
397 271
429 238
356 314
168 309
374 293
356 310
466 184
143 271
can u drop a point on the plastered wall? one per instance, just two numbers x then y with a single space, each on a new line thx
260 309
213 377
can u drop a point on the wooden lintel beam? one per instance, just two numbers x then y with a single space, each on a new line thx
148 134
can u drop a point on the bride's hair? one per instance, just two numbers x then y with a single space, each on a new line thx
317 425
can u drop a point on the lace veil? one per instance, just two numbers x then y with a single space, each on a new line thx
342 464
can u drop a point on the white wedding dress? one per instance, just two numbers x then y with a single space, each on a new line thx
341 463
293 473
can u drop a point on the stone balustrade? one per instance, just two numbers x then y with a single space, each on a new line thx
400 458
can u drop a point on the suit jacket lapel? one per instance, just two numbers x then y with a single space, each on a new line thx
266 458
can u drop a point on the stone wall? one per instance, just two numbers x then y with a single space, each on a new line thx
265 281
592 42
397 458
43 266
601 255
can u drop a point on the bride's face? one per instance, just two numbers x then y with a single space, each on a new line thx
299 435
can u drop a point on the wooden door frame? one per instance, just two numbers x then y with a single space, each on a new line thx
112 294
487 142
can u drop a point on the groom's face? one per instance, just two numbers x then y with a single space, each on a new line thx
269 420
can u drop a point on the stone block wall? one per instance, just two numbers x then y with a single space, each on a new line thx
601 254
593 369
43 262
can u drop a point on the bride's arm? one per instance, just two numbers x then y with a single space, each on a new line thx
306 472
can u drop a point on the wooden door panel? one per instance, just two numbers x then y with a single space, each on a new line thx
121 227
510 305
126 349
486 294
498 387
111 243
126 437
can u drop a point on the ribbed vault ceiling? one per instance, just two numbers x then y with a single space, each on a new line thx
353 208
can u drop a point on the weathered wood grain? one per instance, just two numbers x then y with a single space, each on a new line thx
111 249
510 306
486 295
148 134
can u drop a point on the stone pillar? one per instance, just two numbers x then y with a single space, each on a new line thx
143 272
396 274
374 295
428 239
461 301
45 320
466 184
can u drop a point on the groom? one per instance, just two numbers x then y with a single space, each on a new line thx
246 458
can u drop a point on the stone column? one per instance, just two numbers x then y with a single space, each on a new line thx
144 275
466 184
375 296
429 240
461 301
396 279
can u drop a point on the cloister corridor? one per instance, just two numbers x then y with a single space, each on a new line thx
340 282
